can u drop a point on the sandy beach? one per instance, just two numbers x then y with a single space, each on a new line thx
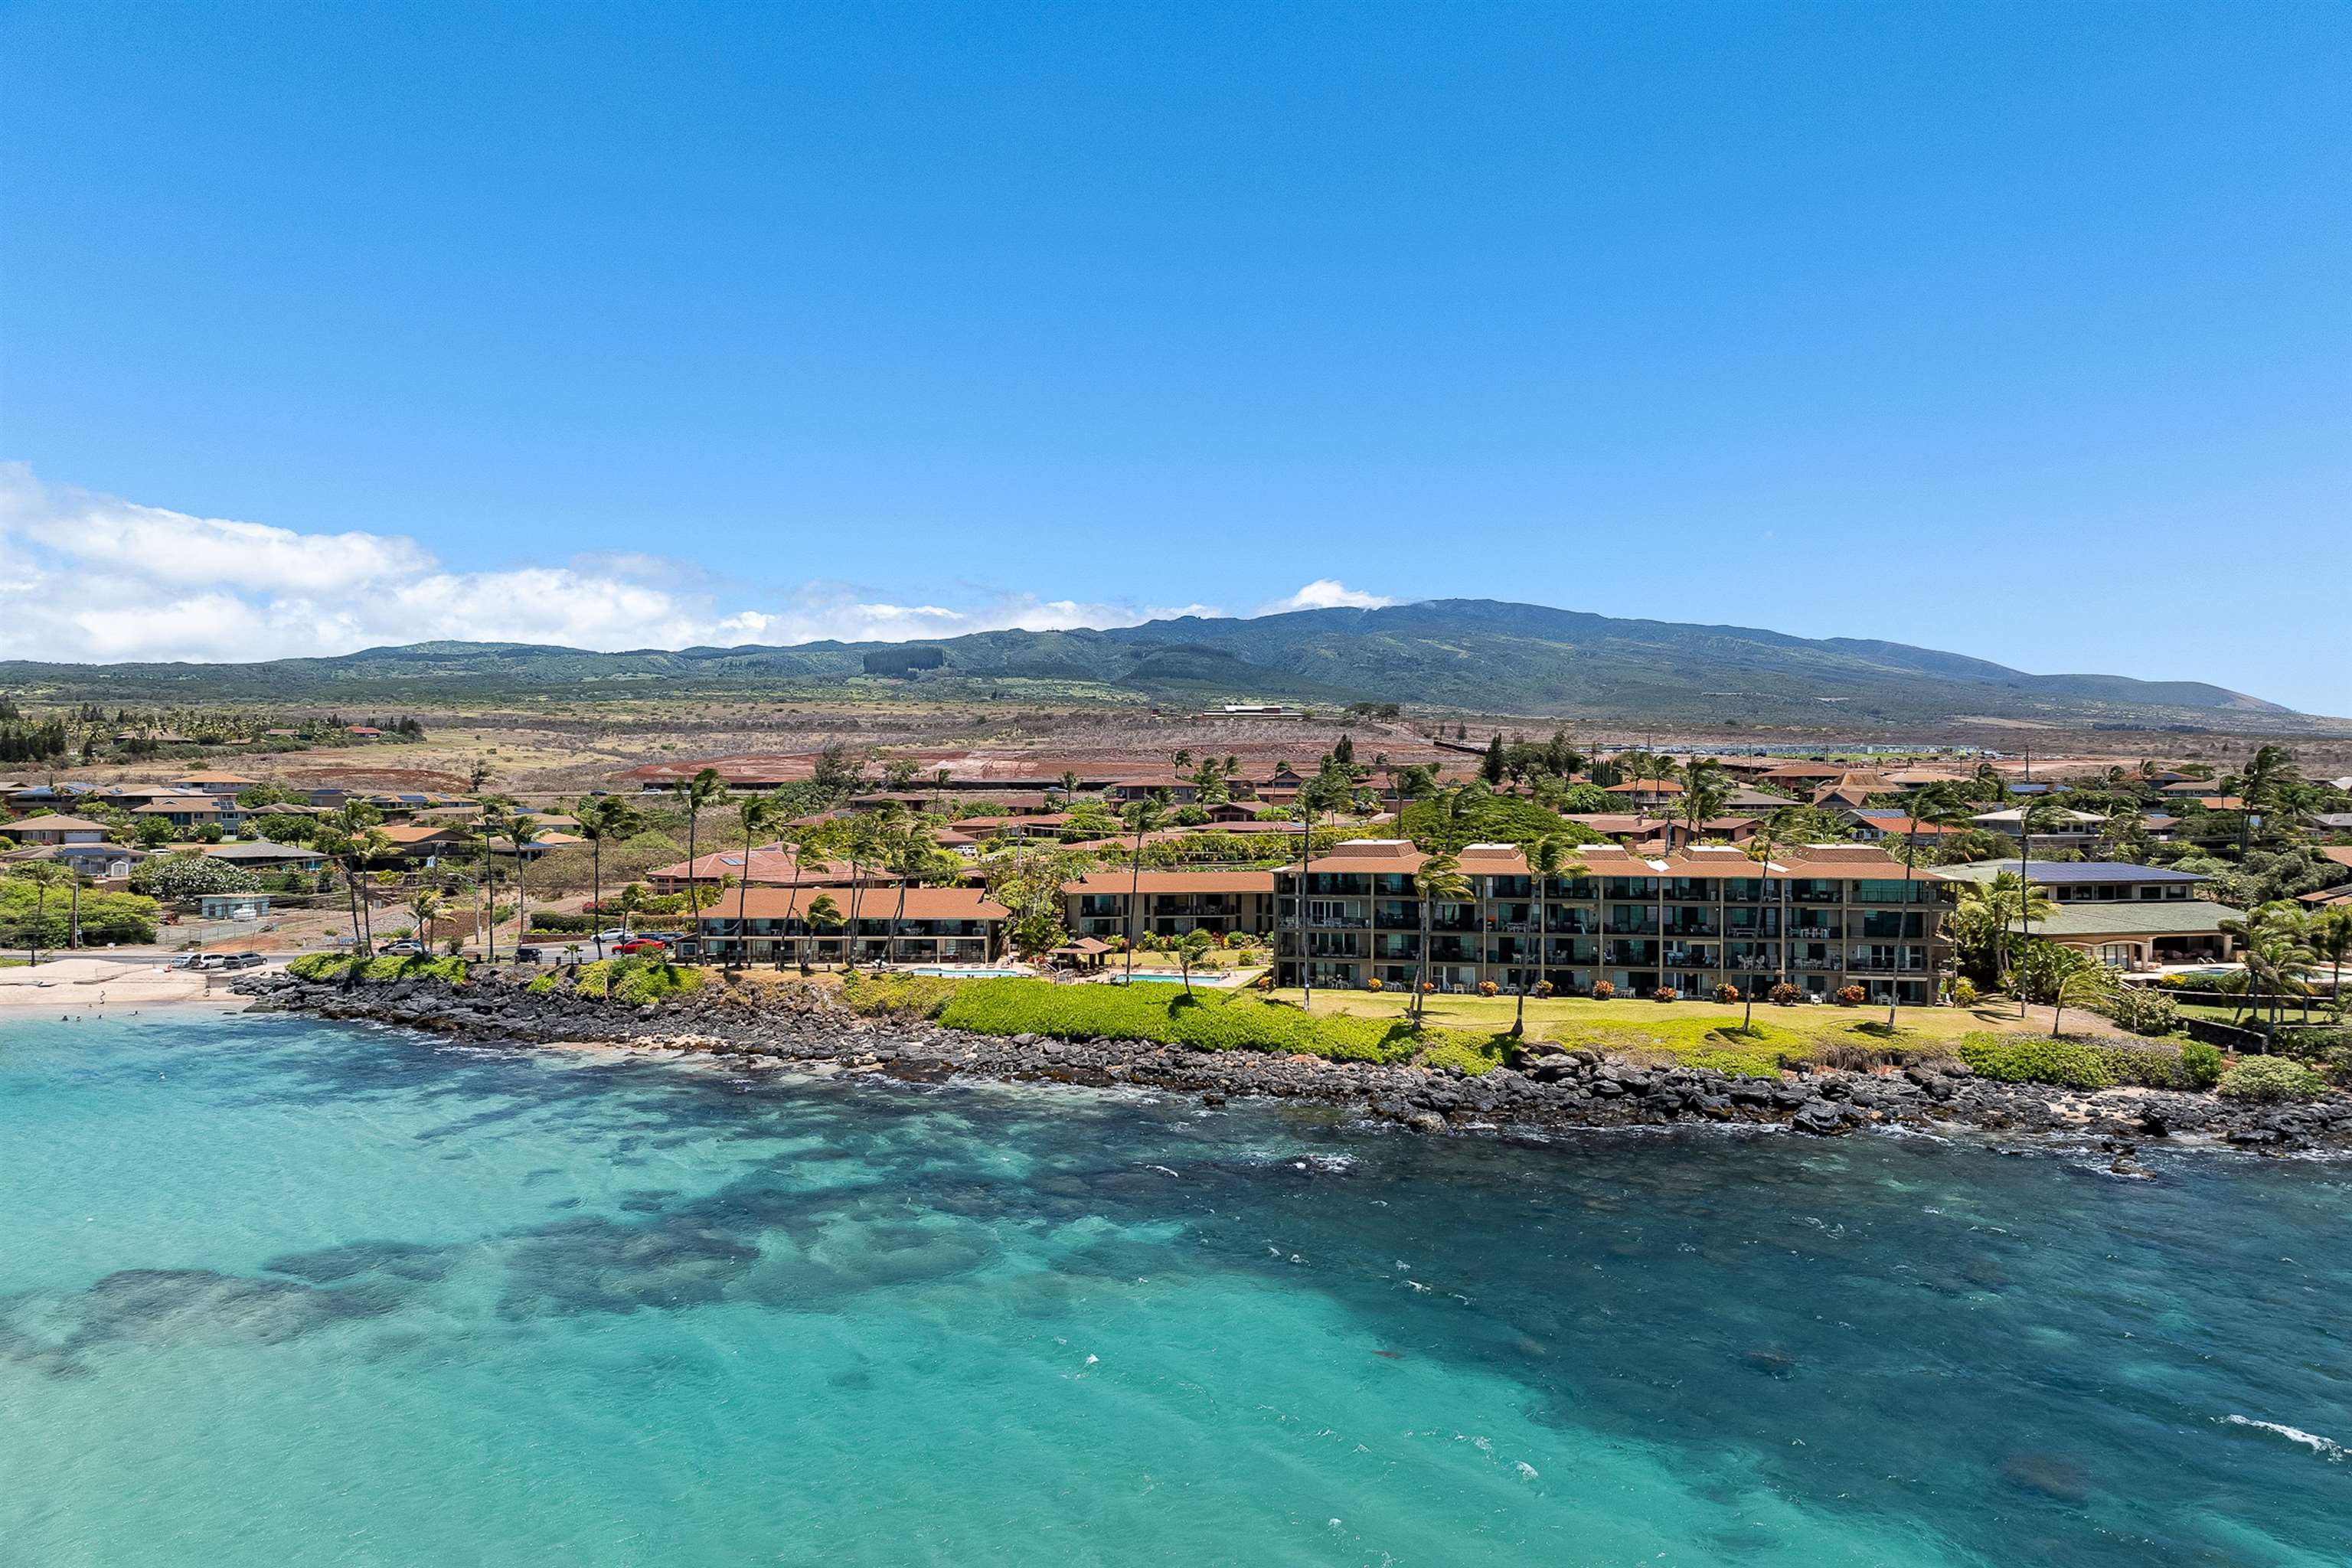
109 985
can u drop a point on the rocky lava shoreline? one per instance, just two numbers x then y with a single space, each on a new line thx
1550 1087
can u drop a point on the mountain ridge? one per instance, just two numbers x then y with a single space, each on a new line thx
1477 655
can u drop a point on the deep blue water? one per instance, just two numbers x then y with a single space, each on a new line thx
275 1291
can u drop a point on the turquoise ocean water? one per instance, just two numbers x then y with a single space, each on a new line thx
276 1291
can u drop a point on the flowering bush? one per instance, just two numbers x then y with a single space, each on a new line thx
1266 981
1785 994
1727 994
1852 995
1373 984
1665 994
1543 988
1486 988
1602 991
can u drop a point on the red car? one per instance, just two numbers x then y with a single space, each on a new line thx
642 944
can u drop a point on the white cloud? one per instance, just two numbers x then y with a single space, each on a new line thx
91 577
1326 594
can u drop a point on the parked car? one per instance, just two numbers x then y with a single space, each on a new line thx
187 961
611 936
210 960
650 945
404 948
528 955
244 961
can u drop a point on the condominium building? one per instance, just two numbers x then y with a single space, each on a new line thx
1225 903
1821 918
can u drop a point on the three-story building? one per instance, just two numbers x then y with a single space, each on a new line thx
1819 917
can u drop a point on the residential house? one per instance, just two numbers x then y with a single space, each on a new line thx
2075 829
97 862
261 854
1820 917
54 829
229 784
2133 917
187 811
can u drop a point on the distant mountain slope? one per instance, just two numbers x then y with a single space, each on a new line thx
1473 653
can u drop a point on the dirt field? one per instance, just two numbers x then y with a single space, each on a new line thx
566 749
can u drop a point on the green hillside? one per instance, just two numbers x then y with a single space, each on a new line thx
1472 654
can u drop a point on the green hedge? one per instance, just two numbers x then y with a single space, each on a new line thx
634 979
2270 1079
1163 1015
338 966
2023 1059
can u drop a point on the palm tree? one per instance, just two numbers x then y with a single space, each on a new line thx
869 839
425 908
1191 948
2331 939
824 915
1440 877
44 875
1707 791
2277 953
1760 848
793 841
602 817
2040 814
755 816
1549 857
915 857
495 817
1141 817
1935 805
628 902
694 797
2078 986
2009 899
523 832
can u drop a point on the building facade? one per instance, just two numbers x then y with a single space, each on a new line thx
1223 903
1830 916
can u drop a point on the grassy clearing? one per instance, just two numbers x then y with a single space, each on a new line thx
1208 1021
634 979
1696 1033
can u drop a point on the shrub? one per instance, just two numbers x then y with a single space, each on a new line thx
1852 995
541 985
1964 992
2270 1078
1728 995
1665 994
2161 1067
2203 1063
319 966
1543 988
1602 991
185 876
549 921
2143 1011
1785 994
2019 1058
902 995
634 979
1487 988
1374 983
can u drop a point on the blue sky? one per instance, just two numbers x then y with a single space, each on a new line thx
2017 331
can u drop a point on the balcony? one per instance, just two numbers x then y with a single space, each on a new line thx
1339 922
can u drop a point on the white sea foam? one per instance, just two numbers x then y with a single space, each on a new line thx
2326 1448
